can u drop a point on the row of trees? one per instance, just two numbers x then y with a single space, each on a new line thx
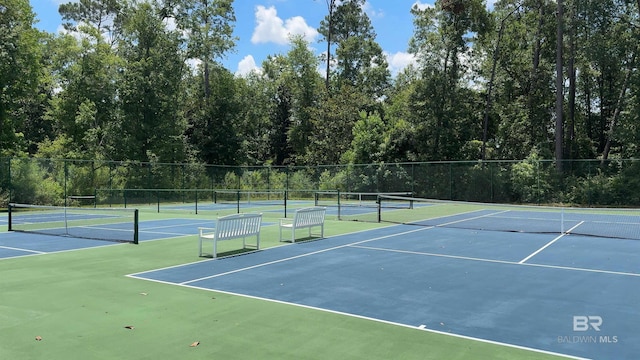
142 80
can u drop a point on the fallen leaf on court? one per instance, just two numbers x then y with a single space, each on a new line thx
143 294
130 327
38 338
442 323
194 344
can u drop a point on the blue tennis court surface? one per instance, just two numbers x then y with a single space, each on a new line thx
566 294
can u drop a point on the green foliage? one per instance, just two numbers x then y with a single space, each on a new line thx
530 183
368 137
124 86
151 88
35 184
359 60
301 180
212 121
333 122
21 72
332 181
626 184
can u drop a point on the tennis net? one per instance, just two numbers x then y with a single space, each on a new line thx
600 222
190 200
352 205
254 197
112 224
347 198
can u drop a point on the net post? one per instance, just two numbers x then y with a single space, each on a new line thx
339 217
286 195
379 203
238 200
135 226
196 201
9 217
158 200
66 223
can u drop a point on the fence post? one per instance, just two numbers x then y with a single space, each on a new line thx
66 173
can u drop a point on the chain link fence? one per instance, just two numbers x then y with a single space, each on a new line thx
582 182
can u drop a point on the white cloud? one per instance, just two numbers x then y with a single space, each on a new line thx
371 12
272 29
247 65
422 6
399 61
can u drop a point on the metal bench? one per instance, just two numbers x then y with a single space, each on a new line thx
232 227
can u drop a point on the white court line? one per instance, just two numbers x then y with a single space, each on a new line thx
301 256
358 245
608 272
472 218
21 249
138 275
549 244
421 327
210 223
38 253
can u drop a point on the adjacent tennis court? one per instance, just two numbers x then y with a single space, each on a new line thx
553 281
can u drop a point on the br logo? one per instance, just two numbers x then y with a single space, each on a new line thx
584 323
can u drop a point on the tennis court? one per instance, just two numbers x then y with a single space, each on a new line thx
567 294
551 281
14 244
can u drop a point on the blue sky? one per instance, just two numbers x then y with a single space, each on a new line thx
263 26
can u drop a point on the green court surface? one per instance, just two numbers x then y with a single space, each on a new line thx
80 305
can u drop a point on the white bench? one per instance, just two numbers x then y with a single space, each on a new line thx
304 218
232 227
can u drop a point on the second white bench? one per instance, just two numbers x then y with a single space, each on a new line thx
232 227
304 218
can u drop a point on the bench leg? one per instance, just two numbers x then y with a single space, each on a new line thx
215 248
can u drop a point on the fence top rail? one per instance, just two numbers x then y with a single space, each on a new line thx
193 190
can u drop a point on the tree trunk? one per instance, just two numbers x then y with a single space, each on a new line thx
559 88
571 113
496 52
618 109
330 5
533 80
